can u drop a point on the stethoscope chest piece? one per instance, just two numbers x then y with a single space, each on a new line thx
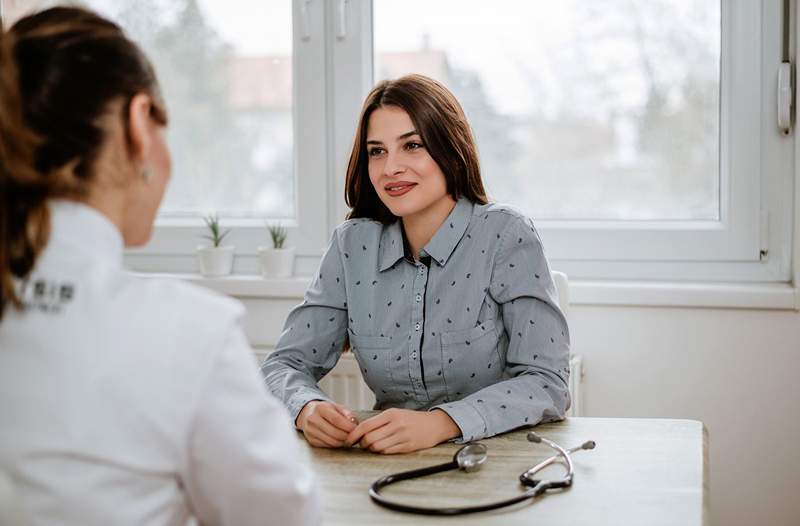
471 457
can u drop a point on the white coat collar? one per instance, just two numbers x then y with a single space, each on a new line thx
84 228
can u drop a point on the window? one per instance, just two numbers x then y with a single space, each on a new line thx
640 136
228 71
582 110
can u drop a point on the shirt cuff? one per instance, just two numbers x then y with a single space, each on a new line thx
299 400
467 418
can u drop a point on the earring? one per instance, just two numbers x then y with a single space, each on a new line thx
147 173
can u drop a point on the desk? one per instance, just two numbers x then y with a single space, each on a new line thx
643 471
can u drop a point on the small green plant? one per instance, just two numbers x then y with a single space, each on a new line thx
278 233
212 222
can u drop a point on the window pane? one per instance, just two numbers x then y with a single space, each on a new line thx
225 68
604 110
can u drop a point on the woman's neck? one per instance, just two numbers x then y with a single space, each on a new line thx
420 227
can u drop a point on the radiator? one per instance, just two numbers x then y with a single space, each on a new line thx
345 385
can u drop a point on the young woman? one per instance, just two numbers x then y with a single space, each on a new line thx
447 300
124 400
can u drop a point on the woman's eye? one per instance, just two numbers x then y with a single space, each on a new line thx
413 145
374 152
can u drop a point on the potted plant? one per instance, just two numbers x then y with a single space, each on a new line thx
215 260
277 261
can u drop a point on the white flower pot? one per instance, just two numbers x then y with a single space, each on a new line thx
215 261
276 263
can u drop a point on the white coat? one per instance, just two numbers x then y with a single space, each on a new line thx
126 400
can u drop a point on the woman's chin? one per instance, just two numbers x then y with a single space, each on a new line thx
402 209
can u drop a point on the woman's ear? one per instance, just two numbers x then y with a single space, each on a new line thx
139 127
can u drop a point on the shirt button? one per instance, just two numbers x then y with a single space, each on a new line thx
418 298
414 355
416 326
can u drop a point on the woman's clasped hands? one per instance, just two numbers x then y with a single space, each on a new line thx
326 424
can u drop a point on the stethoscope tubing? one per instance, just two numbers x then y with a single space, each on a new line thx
464 510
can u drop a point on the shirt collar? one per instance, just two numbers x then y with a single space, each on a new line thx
85 228
444 241
440 247
391 244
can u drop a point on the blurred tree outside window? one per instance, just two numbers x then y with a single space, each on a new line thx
225 69
601 110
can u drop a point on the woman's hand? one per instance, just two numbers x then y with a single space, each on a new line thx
403 431
326 424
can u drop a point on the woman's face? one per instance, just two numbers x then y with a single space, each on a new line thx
405 177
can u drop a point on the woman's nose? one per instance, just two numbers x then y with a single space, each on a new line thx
394 165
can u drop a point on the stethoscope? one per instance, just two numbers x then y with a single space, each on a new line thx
470 458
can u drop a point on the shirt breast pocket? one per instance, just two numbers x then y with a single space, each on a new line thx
372 354
470 360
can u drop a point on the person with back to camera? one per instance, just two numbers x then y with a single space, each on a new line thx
447 300
124 400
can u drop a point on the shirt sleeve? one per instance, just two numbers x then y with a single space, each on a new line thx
537 359
312 338
245 464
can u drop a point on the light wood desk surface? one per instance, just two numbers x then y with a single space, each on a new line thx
643 471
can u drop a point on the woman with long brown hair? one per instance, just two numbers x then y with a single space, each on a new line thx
124 400
446 299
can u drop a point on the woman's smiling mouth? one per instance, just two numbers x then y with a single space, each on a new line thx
399 188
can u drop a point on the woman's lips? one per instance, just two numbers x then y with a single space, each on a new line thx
398 189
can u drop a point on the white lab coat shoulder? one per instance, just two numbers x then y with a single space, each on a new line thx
180 325
131 400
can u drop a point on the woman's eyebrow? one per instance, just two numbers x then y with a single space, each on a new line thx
399 137
407 134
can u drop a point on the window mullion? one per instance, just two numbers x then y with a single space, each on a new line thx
350 79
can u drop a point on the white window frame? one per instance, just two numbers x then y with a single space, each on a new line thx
332 68
753 239
173 244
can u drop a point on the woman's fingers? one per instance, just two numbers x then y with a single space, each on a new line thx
335 417
326 426
348 414
367 426
321 423
319 442
319 438
385 431
385 444
401 447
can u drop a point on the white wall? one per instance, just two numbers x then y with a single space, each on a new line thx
738 371
735 370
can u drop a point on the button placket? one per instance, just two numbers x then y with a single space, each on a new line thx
417 310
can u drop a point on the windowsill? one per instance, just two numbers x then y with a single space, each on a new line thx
777 296
244 285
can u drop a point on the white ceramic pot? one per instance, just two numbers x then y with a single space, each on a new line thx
215 261
276 263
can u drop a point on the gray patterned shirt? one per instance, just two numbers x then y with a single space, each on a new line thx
473 328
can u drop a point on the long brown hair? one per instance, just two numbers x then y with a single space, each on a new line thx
59 71
445 132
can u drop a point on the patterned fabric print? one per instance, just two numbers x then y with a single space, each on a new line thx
476 331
